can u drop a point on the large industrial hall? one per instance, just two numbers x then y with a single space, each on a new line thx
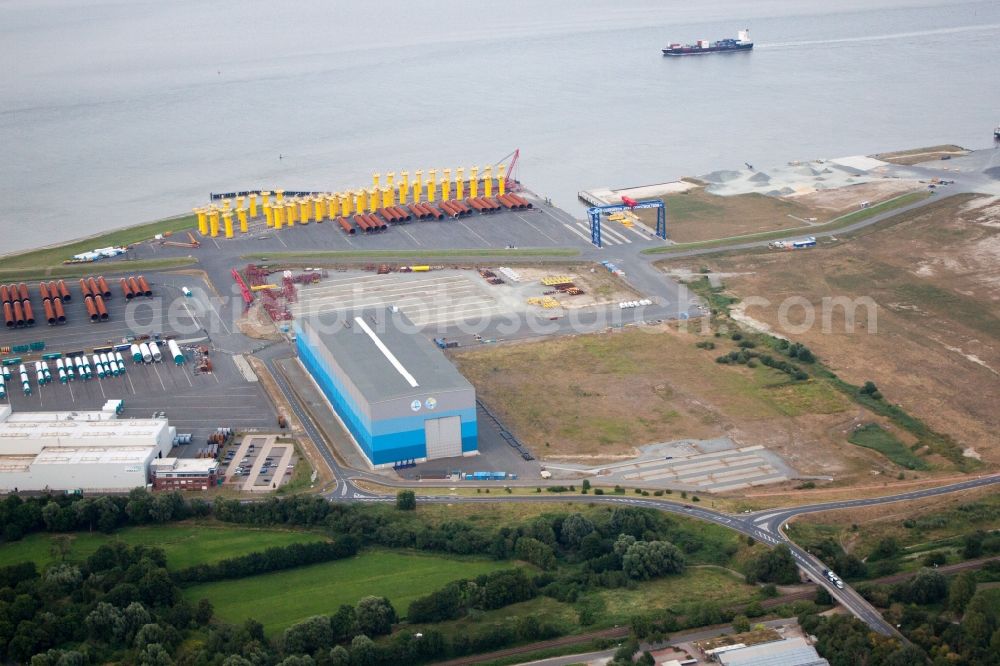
399 396
79 451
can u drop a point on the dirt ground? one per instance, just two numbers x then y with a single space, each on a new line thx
918 155
932 341
696 215
847 199
257 324
592 398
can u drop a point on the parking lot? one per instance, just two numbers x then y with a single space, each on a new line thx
259 463
196 403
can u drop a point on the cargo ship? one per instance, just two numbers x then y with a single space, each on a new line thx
702 46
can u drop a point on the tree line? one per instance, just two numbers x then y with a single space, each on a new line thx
275 558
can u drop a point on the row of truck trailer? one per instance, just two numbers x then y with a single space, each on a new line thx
104 364
18 312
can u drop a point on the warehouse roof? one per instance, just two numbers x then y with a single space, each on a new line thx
94 455
28 433
794 651
385 355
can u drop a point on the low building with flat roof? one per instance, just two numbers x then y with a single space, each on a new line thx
87 451
184 473
398 395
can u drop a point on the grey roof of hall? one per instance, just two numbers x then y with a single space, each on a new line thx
372 372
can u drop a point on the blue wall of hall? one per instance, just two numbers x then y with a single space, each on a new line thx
389 440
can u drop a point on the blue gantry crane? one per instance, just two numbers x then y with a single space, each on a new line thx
595 213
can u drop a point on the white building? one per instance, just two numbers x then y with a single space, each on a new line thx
88 451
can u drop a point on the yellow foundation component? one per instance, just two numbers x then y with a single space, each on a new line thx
416 192
291 213
402 192
227 222
445 189
406 179
431 184
265 198
447 177
319 209
372 200
253 205
375 177
268 215
460 183
227 204
386 196
360 202
279 195
474 182
501 181
213 223
487 182
305 211
202 221
390 179
345 204
241 214
239 202
331 206
279 216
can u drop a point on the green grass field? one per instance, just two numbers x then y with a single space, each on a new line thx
60 270
281 599
832 225
186 544
702 584
54 256
872 436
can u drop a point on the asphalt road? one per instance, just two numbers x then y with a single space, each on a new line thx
764 527
671 300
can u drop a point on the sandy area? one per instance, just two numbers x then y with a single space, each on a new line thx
795 178
848 198
934 277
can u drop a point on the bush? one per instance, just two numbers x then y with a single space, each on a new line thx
273 559
598 491
406 500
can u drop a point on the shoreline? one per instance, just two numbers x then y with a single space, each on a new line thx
592 196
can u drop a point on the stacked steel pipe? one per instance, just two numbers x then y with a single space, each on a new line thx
52 304
345 225
10 297
17 310
88 302
389 215
449 210
127 290
102 309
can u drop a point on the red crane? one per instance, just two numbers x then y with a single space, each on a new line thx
511 183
